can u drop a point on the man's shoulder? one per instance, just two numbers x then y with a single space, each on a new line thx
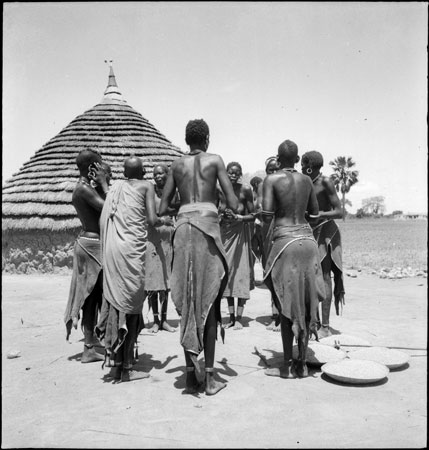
326 181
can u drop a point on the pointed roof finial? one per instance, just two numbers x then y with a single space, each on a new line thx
112 79
112 92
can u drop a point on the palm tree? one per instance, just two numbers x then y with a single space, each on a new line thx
344 177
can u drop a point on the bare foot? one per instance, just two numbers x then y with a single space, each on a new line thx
271 325
154 329
193 386
132 375
115 373
238 325
89 355
167 327
301 369
229 325
213 386
285 371
324 331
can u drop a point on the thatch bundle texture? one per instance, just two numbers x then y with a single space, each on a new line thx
38 197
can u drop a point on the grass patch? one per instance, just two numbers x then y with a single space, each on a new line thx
384 243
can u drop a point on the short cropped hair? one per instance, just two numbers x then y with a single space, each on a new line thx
287 150
164 167
86 157
313 159
234 164
196 131
255 182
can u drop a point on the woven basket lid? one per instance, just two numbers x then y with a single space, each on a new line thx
346 341
318 354
393 359
356 371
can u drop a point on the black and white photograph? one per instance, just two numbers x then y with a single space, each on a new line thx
214 225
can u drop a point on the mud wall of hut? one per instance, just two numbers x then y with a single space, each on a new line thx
37 251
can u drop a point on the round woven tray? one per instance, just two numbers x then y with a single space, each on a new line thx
346 342
356 371
393 359
318 354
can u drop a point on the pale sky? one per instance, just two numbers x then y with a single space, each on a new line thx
345 79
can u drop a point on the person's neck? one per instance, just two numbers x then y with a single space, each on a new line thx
196 150
288 167
315 175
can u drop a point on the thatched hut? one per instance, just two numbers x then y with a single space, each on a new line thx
39 222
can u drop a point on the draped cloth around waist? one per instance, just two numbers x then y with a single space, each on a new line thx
328 237
86 269
236 237
294 275
123 238
199 271
158 258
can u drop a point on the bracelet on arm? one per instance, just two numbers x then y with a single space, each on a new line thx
267 213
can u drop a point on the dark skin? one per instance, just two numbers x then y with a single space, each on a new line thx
329 208
160 177
290 195
202 189
246 207
271 167
88 204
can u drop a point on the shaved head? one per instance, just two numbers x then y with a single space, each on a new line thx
133 168
85 158
288 152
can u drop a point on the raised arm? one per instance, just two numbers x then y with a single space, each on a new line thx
93 198
167 193
336 211
226 186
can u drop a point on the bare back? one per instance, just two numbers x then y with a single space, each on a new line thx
195 177
289 195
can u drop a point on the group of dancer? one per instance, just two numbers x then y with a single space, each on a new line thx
196 234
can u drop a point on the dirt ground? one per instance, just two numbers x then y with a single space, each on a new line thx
50 399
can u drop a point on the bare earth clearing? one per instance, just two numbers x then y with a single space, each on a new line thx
50 399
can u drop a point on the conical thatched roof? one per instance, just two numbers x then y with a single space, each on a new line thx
39 195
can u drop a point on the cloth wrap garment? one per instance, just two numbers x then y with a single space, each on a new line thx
294 276
86 270
236 238
199 272
328 237
158 258
123 237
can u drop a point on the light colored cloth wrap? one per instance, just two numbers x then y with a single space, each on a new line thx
123 239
